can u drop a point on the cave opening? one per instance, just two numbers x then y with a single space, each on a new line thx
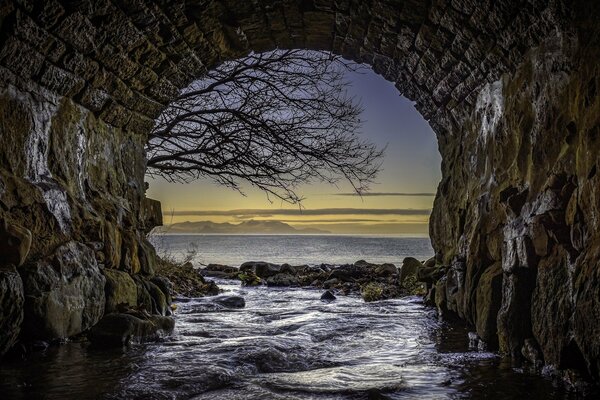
508 87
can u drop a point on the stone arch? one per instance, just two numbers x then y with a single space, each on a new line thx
509 87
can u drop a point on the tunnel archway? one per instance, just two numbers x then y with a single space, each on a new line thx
509 87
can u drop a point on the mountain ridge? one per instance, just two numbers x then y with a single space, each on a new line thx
244 227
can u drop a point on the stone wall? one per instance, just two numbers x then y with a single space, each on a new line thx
516 215
74 185
509 86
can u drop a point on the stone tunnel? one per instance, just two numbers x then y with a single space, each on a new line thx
509 86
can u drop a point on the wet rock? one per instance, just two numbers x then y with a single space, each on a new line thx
372 292
11 307
39 345
386 270
295 270
144 300
220 271
282 279
410 267
330 283
159 300
475 341
342 274
514 316
249 278
64 294
165 286
430 297
531 352
230 301
186 281
120 290
260 268
430 263
15 242
488 301
430 275
328 296
121 329
440 296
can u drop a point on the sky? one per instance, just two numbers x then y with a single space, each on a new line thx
411 165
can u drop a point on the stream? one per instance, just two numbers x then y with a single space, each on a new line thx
285 344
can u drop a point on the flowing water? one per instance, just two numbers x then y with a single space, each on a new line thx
285 344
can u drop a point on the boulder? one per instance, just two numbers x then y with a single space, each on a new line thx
15 242
294 269
230 301
249 278
64 293
410 267
185 280
282 279
342 274
260 268
330 282
220 271
124 328
372 292
386 270
328 296
220 268
120 289
11 307
430 263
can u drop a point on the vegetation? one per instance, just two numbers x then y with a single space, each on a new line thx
372 291
274 120
186 280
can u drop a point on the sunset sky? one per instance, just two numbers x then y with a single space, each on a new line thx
411 166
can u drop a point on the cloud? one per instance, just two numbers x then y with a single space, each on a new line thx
374 194
244 213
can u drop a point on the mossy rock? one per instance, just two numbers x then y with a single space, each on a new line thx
372 292
185 279
248 278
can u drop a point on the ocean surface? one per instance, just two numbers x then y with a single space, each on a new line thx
286 343
292 249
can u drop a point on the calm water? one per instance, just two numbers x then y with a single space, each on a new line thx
293 249
285 344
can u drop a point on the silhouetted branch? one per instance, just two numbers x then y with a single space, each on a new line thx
274 120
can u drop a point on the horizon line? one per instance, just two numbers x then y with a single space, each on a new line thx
318 211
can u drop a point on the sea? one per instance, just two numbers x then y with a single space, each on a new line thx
234 250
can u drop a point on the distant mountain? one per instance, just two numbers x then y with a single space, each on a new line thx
246 227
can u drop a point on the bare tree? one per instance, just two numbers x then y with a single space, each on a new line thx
275 120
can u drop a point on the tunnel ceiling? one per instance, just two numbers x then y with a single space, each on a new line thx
126 59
